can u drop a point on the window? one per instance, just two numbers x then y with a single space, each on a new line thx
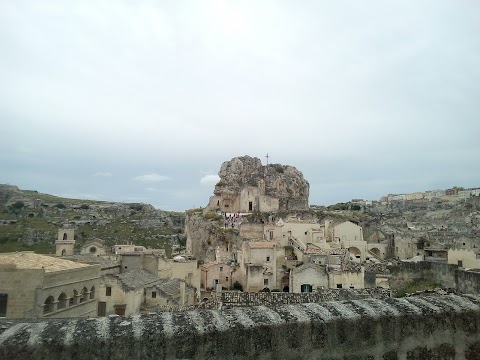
108 291
268 258
84 295
48 305
226 278
92 292
73 300
265 282
3 305
154 294
306 288
271 234
339 286
221 268
460 263
62 301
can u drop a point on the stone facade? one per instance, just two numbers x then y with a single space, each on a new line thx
39 286
246 185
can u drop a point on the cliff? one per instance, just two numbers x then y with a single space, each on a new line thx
245 180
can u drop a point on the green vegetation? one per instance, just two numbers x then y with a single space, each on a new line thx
212 216
84 207
416 285
18 205
289 248
278 168
12 245
194 211
220 184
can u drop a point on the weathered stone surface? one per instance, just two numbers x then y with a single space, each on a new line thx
443 327
283 182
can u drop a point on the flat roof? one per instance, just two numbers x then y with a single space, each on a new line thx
30 260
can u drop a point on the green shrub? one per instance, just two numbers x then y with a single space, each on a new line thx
18 205
84 207
60 206
416 285
212 216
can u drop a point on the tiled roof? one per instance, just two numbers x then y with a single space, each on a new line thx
171 287
30 260
136 279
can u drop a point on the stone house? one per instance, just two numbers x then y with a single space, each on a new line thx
350 236
216 273
123 294
463 258
310 277
40 286
260 265
163 268
170 292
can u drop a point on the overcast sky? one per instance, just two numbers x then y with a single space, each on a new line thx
142 101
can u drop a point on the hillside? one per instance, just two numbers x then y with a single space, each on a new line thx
29 220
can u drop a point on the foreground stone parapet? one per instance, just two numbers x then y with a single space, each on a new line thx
433 327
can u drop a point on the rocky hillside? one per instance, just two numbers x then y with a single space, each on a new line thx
283 182
29 221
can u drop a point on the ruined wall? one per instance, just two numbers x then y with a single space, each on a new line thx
443 327
231 299
447 275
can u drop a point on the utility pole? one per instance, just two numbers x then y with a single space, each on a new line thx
267 158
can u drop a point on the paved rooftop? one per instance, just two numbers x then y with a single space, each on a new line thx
30 260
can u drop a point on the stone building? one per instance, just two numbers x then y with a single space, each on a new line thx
246 185
93 247
123 294
310 277
174 292
40 286
65 243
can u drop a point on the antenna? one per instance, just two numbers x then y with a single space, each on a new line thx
267 156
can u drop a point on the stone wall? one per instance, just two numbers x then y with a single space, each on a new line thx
447 275
434 327
272 299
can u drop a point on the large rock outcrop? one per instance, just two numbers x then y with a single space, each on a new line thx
246 185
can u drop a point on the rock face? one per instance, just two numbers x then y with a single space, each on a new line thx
432 327
246 185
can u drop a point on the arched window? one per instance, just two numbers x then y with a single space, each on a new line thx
62 301
48 305
64 252
92 292
84 295
73 299
64 236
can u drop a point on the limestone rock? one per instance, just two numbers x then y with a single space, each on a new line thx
246 185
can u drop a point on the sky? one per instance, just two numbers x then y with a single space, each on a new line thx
142 101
